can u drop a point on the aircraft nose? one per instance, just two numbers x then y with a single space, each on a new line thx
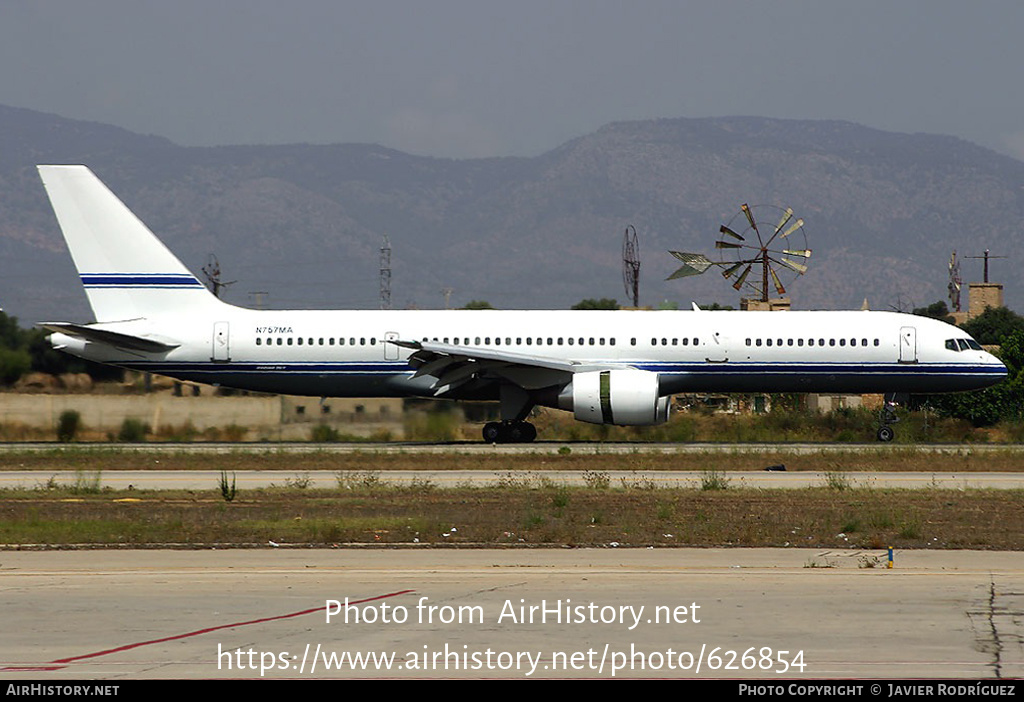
999 370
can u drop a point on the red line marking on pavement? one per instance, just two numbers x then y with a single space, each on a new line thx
53 664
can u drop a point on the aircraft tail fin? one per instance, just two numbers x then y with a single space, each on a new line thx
127 272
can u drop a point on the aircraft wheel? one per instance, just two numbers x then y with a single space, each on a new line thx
529 432
493 433
886 434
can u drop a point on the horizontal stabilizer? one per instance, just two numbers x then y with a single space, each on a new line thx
111 338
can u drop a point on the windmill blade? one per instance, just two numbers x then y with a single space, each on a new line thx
750 217
796 225
804 253
798 267
778 283
732 269
725 230
743 277
727 245
786 216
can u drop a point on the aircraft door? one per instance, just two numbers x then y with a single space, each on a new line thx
221 342
717 348
908 345
390 350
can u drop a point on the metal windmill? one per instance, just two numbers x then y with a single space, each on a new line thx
955 283
780 252
631 265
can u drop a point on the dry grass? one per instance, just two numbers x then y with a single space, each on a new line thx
884 459
372 513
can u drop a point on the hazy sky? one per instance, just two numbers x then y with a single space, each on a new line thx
486 78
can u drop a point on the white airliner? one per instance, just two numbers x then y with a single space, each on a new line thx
615 367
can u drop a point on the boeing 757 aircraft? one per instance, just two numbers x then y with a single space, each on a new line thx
616 367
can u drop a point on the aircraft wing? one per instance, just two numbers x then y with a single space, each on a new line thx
454 366
121 340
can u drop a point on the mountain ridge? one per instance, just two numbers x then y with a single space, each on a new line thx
304 223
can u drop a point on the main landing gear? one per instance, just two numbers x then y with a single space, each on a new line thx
509 432
887 417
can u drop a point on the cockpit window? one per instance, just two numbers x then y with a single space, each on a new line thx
963 345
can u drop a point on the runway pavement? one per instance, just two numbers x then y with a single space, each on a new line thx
771 614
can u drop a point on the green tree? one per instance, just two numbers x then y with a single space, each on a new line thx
478 305
936 310
993 325
1004 401
591 304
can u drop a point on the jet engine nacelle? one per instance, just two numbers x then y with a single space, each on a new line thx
627 397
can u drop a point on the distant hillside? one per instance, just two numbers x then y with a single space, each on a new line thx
304 223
